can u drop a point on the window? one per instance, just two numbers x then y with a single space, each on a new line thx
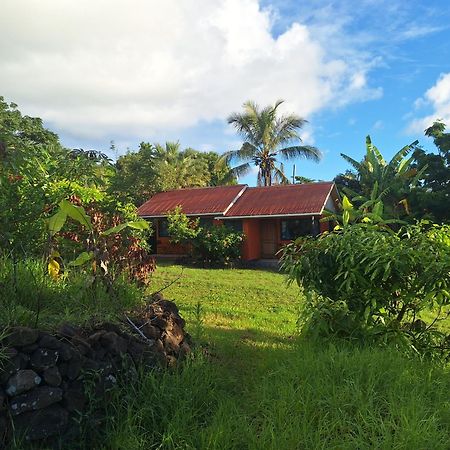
293 228
235 225
163 229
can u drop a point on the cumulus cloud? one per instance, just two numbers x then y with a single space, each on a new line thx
93 69
438 98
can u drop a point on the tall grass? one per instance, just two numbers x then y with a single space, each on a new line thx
311 398
29 296
254 384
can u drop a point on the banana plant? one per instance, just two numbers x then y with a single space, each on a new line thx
391 181
93 252
371 210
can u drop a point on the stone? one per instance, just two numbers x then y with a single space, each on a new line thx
74 397
49 341
114 343
176 331
43 358
158 346
2 399
22 381
185 349
81 345
42 423
151 332
136 349
171 361
94 338
20 336
63 367
38 398
67 330
52 376
9 368
171 344
160 322
66 351
29 348
74 367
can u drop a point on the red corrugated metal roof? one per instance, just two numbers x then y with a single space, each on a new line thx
211 200
282 200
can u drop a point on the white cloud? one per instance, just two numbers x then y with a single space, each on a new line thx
438 98
108 67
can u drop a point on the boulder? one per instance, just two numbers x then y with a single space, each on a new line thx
43 358
68 331
22 381
52 376
49 341
37 398
74 367
113 342
21 336
42 423
151 331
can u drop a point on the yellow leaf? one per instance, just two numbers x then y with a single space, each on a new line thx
53 269
346 204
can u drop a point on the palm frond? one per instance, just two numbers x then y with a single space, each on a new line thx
301 151
241 170
279 175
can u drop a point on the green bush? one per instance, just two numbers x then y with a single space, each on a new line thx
366 281
215 243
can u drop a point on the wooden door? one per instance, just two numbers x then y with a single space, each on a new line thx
269 239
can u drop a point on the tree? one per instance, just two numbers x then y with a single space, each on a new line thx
267 138
375 178
156 168
432 197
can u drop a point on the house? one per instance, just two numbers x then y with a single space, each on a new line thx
269 216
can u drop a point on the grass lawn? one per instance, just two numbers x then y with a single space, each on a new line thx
260 387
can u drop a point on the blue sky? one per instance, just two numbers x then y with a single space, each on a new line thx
157 71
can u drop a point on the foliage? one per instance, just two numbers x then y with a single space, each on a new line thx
372 210
29 297
391 180
100 241
155 168
215 243
255 386
267 138
372 283
431 198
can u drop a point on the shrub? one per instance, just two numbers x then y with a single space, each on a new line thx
111 246
215 243
366 281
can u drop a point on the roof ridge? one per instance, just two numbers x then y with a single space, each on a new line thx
202 187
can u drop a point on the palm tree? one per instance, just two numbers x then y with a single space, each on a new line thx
267 138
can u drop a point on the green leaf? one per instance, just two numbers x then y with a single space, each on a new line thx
56 222
345 217
81 259
77 213
136 225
